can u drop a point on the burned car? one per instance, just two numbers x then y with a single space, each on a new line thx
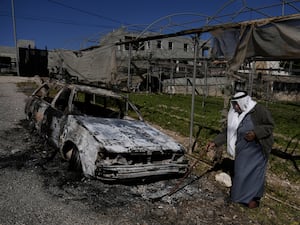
101 133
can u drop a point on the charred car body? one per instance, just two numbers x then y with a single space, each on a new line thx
101 133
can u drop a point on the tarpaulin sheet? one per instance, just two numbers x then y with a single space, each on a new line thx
276 39
97 64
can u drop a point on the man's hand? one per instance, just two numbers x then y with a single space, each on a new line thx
250 136
210 151
210 145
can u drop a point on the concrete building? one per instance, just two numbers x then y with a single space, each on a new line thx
169 48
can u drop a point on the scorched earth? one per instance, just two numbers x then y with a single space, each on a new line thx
37 187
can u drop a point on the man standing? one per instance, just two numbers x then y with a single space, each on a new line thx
249 136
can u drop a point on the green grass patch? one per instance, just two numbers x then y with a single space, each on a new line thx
173 112
286 117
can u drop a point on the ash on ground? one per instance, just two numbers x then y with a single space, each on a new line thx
53 194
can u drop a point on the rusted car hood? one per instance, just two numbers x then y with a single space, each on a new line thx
121 136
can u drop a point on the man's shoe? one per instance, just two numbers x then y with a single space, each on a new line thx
253 204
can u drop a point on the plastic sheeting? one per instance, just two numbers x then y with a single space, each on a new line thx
276 39
98 64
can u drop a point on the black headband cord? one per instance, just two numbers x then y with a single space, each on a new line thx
242 96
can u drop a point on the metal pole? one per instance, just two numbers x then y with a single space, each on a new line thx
147 79
196 44
159 80
291 68
128 77
251 78
186 81
205 84
172 78
129 68
15 36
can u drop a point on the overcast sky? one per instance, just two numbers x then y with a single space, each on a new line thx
75 24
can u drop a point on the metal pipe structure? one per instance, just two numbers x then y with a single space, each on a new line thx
15 36
129 68
196 45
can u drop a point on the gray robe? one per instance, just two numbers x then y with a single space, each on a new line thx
249 166
251 158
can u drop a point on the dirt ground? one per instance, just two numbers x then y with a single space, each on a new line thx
37 187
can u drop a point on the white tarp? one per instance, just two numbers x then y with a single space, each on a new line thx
97 64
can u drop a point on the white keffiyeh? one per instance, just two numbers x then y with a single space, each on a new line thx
234 118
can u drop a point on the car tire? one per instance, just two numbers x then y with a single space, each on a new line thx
74 161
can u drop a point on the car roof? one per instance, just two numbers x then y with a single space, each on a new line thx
97 90
92 90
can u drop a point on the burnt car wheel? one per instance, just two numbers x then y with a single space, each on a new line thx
72 155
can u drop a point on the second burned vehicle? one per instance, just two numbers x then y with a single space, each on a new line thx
102 134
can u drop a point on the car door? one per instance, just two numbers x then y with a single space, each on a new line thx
55 115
